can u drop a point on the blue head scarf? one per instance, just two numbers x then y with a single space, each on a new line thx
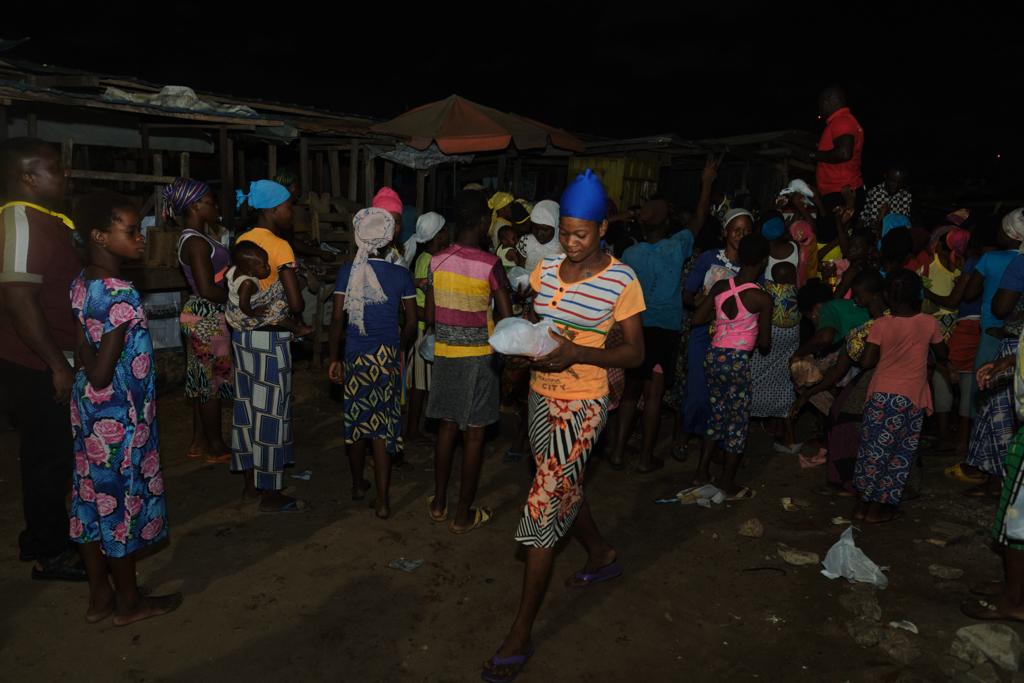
585 198
773 228
893 221
263 194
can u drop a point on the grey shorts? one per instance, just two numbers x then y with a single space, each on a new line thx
465 391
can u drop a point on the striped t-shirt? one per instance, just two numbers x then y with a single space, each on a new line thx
584 311
464 279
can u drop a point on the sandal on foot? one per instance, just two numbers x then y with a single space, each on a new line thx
64 567
582 579
219 459
989 589
481 516
430 511
891 518
957 472
985 611
513 662
743 494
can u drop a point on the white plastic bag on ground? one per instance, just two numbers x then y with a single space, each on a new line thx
519 337
847 560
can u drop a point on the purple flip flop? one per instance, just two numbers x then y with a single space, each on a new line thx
517 662
608 572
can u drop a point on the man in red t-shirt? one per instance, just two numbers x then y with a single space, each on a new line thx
37 336
838 158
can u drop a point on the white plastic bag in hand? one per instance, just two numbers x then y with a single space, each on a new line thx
847 560
518 337
426 348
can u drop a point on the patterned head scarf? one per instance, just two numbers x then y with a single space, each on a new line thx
957 240
183 193
497 202
373 228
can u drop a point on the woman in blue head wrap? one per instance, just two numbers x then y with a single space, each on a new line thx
261 436
204 260
583 292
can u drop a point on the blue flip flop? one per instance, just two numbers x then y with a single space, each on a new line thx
517 662
608 572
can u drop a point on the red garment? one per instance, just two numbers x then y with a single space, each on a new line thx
36 251
834 177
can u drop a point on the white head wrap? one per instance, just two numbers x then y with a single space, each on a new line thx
373 229
1013 226
427 227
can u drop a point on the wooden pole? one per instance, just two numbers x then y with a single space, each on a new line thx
318 173
501 172
369 173
183 168
353 172
304 167
32 124
227 206
67 153
241 167
421 190
433 186
271 160
335 164
145 149
389 174
3 123
158 190
517 175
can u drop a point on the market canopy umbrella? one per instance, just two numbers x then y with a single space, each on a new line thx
459 126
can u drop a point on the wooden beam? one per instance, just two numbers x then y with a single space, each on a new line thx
200 126
335 164
318 173
421 190
144 132
501 172
122 177
271 160
353 172
389 174
64 81
183 167
304 166
89 103
3 122
67 151
240 169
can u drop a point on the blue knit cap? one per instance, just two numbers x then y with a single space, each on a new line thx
263 194
585 198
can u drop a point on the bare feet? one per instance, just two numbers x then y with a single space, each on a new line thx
153 606
359 490
101 606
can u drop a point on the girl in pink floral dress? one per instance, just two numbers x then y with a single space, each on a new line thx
117 504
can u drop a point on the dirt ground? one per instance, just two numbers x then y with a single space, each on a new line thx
310 597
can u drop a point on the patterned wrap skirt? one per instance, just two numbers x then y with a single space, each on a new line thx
562 434
730 393
208 350
373 391
1010 514
995 423
889 436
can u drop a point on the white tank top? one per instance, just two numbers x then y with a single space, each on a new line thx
793 258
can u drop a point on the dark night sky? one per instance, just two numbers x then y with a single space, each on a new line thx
930 82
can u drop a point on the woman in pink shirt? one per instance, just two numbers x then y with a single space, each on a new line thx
898 398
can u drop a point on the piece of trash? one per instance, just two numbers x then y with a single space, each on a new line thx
665 501
904 625
797 558
695 494
772 619
839 521
776 570
405 565
847 560
941 571
752 528
794 504
304 476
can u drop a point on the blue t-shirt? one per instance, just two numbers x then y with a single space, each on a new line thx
992 266
380 320
659 267
972 307
1013 277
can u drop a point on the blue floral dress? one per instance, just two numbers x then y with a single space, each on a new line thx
117 487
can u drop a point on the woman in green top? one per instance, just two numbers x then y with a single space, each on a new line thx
429 239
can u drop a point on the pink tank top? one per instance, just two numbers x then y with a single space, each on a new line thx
739 332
